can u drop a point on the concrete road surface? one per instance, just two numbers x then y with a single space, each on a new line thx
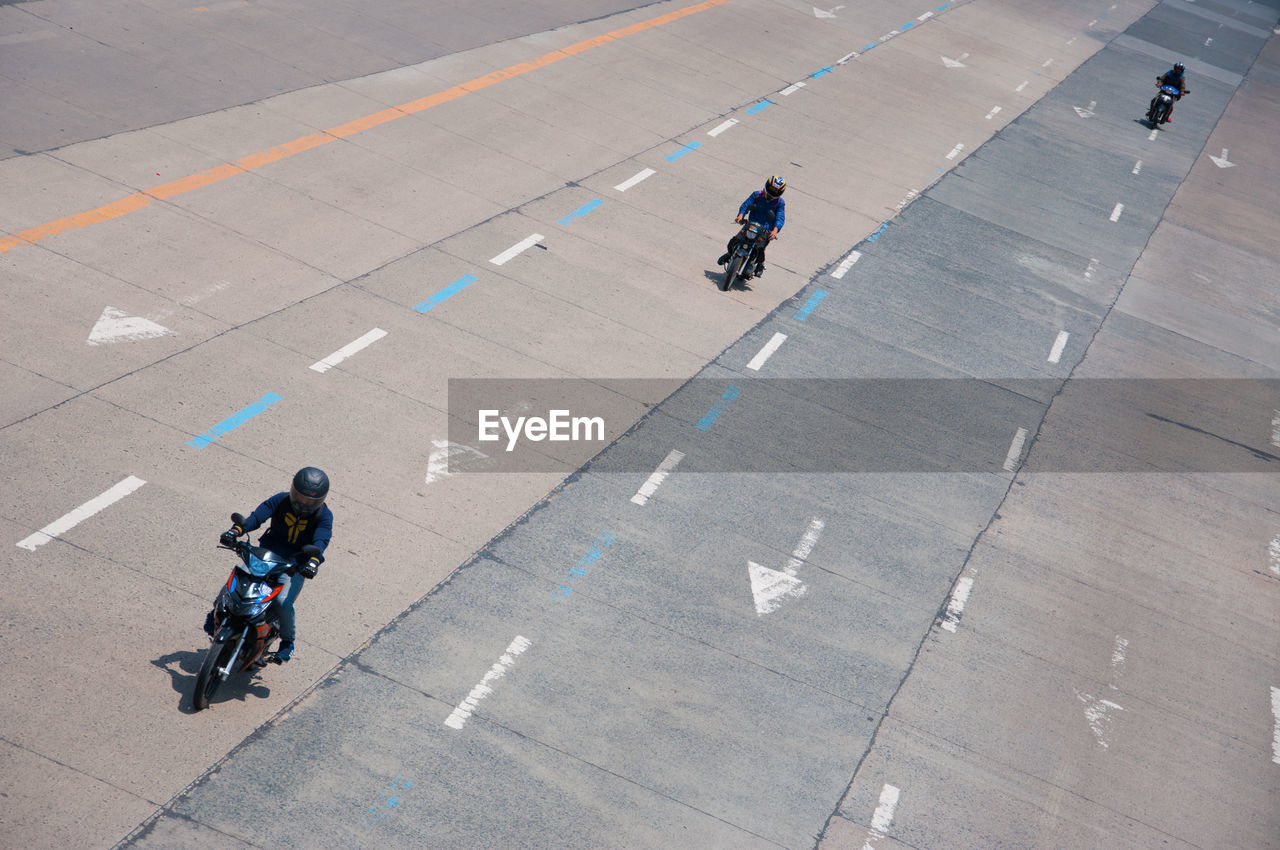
955 528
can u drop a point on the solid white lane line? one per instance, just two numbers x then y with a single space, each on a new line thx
523 245
1137 166
1275 736
767 351
1115 213
955 152
720 128
1059 345
636 178
347 350
649 487
882 818
80 514
1015 450
794 87
846 264
459 715
955 605
995 110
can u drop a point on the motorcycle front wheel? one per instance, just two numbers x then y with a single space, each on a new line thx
1158 113
207 680
732 271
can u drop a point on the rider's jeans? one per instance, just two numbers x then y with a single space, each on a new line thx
289 591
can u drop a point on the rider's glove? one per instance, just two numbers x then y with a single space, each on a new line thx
229 536
310 568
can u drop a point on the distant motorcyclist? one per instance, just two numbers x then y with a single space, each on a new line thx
1176 77
298 517
764 206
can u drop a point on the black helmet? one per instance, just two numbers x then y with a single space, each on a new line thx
310 486
775 186
1178 66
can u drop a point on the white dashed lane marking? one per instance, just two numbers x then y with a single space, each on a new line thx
636 178
80 514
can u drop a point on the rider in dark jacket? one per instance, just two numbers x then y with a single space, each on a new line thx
766 207
298 517
1176 77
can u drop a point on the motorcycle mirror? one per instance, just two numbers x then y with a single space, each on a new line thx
237 519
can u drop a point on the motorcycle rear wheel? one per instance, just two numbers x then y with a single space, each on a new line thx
207 680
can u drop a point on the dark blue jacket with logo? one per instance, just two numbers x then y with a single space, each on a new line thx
288 532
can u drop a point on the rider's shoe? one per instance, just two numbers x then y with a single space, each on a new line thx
724 258
760 270
208 623
284 653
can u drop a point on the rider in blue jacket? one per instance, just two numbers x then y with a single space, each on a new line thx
766 207
1176 77
298 517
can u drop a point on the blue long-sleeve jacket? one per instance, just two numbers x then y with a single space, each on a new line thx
761 208
288 532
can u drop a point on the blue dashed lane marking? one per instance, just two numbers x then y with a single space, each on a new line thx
674 155
907 25
604 540
581 211
821 72
814 301
869 45
708 419
446 293
764 104
234 421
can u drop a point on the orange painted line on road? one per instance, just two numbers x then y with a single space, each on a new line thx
137 201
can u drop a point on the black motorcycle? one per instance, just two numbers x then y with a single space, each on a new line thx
1162 104
244 624
752 237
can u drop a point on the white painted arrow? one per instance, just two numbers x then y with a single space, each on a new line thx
1222 161
1087 112
823 13
955 63
114 326
438 459
770 587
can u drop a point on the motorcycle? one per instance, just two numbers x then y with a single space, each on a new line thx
1162 103
752 236
244 626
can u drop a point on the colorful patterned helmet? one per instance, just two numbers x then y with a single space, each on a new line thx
775 186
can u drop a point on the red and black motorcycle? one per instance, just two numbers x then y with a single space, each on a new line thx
244 623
